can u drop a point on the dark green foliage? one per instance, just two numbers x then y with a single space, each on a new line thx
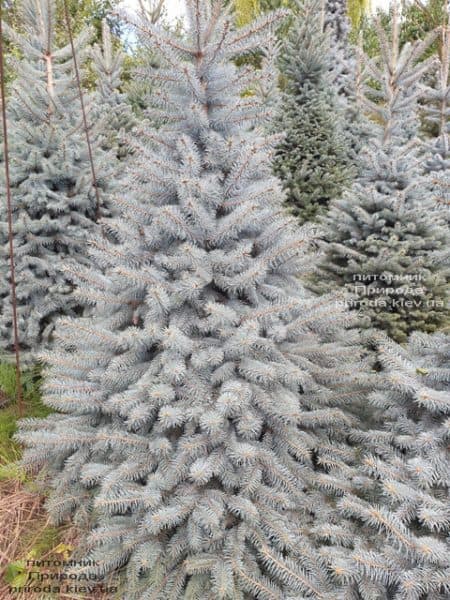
418 20
313 160
82 12
421 18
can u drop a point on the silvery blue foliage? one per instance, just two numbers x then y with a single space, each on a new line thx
337 22
405 551
110 105
344 74
386 242
204 405
437 115
54 204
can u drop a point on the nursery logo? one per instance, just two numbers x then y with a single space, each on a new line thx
388 290
38 582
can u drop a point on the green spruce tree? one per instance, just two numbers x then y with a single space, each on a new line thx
313 160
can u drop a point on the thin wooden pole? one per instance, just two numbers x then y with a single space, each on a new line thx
83 110
19 391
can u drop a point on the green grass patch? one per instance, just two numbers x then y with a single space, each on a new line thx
46 540
31 382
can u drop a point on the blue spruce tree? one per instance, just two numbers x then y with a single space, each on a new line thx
203 406
111 104
53 198
385 239
313 161
404 552
437 116
344 67
336 20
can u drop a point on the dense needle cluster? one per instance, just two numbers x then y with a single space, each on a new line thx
220 430
201 405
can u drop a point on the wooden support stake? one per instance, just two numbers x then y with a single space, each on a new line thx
83 110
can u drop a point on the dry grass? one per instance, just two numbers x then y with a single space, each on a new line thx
21 514
24 523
